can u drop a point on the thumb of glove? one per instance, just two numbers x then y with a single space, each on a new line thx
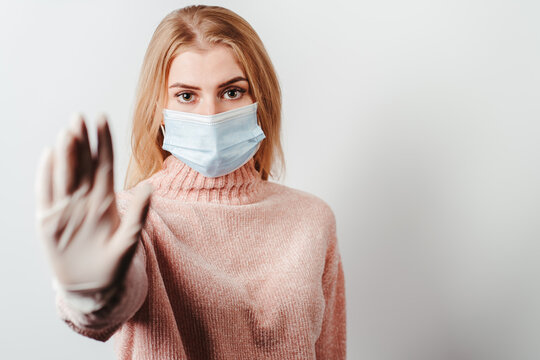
127 236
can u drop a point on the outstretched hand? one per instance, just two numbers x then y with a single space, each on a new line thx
88 246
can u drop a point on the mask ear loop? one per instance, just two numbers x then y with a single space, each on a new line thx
162 130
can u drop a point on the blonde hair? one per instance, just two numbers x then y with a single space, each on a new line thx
196 26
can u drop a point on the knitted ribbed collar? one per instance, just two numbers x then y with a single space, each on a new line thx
177 180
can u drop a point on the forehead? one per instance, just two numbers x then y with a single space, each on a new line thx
205 66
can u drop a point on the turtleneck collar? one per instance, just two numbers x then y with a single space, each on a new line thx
176 180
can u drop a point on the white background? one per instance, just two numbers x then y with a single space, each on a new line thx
417 121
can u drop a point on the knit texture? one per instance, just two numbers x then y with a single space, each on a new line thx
232 267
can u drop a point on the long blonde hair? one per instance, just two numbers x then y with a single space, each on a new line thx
195 26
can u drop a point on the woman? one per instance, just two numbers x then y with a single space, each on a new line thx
200 256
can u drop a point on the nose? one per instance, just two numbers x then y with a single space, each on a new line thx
208 107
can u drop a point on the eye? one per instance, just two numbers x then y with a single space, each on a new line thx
234 93
184 97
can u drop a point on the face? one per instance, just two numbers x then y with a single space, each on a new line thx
207 82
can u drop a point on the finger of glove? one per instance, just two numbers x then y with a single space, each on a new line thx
84 169
44 180
64 161
104 176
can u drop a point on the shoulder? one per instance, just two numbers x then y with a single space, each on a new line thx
306 205
309 216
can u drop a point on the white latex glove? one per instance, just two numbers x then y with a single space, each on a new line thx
87 244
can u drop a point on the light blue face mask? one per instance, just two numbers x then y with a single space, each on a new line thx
214 145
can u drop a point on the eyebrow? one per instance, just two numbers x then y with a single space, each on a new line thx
228 82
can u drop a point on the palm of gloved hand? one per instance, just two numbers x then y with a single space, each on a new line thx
87 244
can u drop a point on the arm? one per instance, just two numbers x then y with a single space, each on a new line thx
99 315
331 343
89 245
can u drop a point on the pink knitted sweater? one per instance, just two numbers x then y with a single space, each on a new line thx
232 267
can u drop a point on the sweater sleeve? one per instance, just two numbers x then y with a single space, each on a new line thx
331 343
98 316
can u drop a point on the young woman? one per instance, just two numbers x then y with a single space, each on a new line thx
200 256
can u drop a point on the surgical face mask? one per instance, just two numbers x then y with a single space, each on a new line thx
213 145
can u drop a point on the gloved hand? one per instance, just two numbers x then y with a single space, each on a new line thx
89 247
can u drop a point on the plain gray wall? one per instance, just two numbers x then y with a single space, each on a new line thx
417 121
